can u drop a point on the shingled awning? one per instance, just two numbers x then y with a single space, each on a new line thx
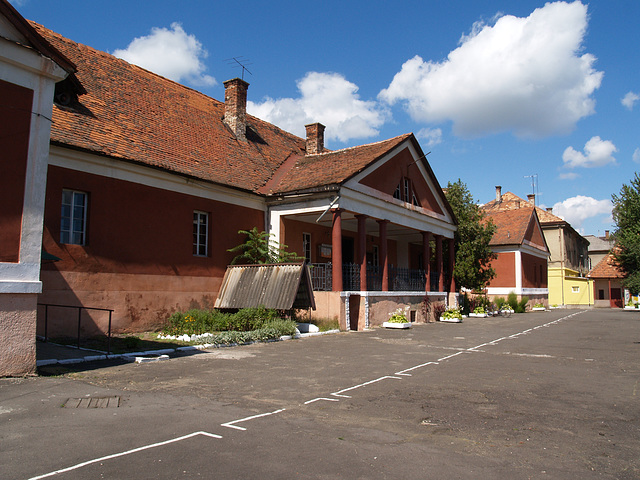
282 286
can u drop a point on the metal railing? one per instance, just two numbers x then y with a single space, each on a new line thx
46 321
400 279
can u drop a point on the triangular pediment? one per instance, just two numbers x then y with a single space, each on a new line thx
404 177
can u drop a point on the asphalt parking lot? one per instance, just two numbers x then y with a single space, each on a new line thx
549 395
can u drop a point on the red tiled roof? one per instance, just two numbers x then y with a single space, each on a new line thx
135 115
511 201
330 168
511 225
606 268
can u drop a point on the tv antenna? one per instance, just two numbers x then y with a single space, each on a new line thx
240 62
534 182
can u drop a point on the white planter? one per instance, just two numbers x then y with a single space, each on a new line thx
538 309
631 308
307 328
451 320
396 325
479 315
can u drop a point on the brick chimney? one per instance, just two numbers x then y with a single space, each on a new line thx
315 138
532 199
550 209
498 193
235 107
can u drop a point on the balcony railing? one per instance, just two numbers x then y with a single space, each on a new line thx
400 279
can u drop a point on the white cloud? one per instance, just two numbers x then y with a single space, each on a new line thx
524 75
172 53
597 153
636 155
568 176
18 3
327 98
576 210
433 136
630 100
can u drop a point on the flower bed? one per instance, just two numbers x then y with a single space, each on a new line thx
451 315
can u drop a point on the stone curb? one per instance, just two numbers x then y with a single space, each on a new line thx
157 355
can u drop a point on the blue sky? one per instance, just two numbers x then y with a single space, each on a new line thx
496 90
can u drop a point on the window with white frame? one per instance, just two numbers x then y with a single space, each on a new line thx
306 247
73 217
200 233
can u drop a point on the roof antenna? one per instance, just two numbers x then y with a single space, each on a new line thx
534 183
240 62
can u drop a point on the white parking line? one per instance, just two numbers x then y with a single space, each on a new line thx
339 393
122 454
321 398
231 424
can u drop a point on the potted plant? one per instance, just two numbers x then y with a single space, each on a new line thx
451 315
478 312
398 319
538 307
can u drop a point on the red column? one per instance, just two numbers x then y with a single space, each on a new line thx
336 251
439 263
362 250
610 299
452 261
384 263
426 254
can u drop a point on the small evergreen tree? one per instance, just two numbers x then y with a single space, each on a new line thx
472 253
626 215
260 248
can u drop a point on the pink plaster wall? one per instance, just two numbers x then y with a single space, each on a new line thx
18 334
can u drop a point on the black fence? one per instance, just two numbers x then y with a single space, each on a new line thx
400 279
79 325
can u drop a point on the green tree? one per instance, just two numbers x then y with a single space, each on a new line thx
472 253
259 247
626 215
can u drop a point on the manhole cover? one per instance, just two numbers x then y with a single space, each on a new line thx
93 402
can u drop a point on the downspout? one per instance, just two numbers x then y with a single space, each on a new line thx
562 251
333 202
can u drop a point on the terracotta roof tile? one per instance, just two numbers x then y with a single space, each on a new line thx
511 201
135 115
511 225
330 168
606 268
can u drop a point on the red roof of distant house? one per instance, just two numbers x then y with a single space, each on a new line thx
510 201
606 268
511 225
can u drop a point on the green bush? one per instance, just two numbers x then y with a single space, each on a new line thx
281 326
249 319
197 322
499 301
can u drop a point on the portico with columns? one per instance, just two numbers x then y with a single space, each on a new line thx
380 233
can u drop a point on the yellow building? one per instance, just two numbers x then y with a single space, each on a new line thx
567 287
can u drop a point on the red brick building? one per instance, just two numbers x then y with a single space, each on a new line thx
149 182
521 266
